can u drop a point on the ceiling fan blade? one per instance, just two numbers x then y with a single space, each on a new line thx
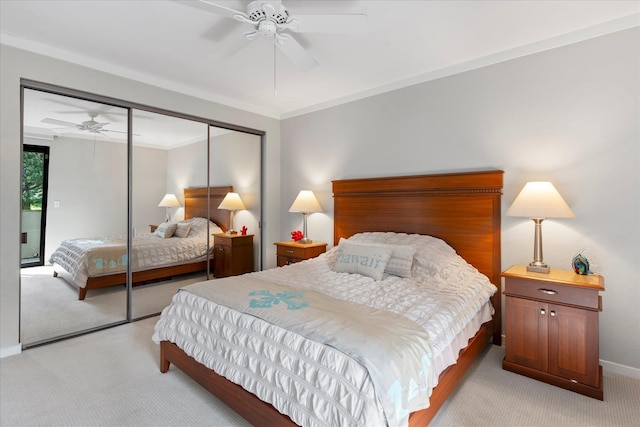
331 24
232 46
225 11
295 52
59 123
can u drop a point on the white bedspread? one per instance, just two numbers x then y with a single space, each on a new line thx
92 257
319 385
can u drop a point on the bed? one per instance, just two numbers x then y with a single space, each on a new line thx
457 210
91 263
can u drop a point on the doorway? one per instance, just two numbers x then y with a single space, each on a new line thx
35 186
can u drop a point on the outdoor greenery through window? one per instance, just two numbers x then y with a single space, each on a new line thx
32 180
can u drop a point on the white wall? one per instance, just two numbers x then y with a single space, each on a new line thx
149 186
16 64
568 115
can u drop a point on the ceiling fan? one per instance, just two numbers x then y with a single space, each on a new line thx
91 125
271 19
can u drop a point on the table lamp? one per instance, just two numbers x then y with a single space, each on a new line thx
169 201
305 203
538 201
231 202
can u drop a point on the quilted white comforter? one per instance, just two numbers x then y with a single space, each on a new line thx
92 257
317 384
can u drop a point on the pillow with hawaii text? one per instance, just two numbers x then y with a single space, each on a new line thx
166 230
366 260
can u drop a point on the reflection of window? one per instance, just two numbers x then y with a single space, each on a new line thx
32 180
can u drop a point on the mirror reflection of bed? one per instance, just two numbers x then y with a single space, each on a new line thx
88 181
173 249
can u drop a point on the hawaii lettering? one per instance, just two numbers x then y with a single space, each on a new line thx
363 260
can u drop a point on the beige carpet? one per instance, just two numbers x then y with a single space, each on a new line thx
50 306
111 378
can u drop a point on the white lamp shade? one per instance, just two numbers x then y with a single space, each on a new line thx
306 202
169 201
540 200
231 202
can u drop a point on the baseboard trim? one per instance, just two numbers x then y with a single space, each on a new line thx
616 368
10 351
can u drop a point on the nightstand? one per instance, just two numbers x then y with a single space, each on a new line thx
290 252
152 227
551 328
233 254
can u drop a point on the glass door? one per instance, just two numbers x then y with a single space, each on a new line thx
35 173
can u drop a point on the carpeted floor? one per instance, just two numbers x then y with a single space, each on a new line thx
111 378
50 306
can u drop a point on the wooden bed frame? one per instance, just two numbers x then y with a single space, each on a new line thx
461 208
195 205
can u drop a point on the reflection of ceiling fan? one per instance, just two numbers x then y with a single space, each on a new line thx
271 19
90 125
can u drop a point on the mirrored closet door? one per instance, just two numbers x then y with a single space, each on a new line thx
78 200
121 205
170 245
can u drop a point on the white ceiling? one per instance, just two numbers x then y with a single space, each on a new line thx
181 47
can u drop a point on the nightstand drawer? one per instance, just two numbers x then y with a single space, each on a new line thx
552 292
291 251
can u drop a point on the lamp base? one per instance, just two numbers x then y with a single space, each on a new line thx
231 232
305 241
538 268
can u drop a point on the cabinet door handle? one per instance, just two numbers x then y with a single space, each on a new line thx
289 251
542 311
552 313
547 291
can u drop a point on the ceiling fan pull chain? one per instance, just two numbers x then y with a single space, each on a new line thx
274 67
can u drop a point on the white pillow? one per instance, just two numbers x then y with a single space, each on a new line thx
182 229
166 230
366 260
401 257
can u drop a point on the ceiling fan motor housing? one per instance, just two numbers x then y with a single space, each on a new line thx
256 12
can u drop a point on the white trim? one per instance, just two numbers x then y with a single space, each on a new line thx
10 351
615 25
616 368
96 64
620 24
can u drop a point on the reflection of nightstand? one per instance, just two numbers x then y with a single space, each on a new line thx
551 328
233 254
290 252
153 227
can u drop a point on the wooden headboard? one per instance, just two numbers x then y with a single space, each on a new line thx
463 209
195 204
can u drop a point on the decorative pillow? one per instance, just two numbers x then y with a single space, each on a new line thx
182 229
166 230
366 260
401 257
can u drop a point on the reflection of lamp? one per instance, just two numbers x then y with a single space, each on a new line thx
231 202
305 203
539 200
169 201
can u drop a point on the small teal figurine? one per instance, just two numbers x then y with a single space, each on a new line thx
580 265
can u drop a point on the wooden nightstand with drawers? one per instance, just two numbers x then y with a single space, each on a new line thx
551 328
233 254
290 252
